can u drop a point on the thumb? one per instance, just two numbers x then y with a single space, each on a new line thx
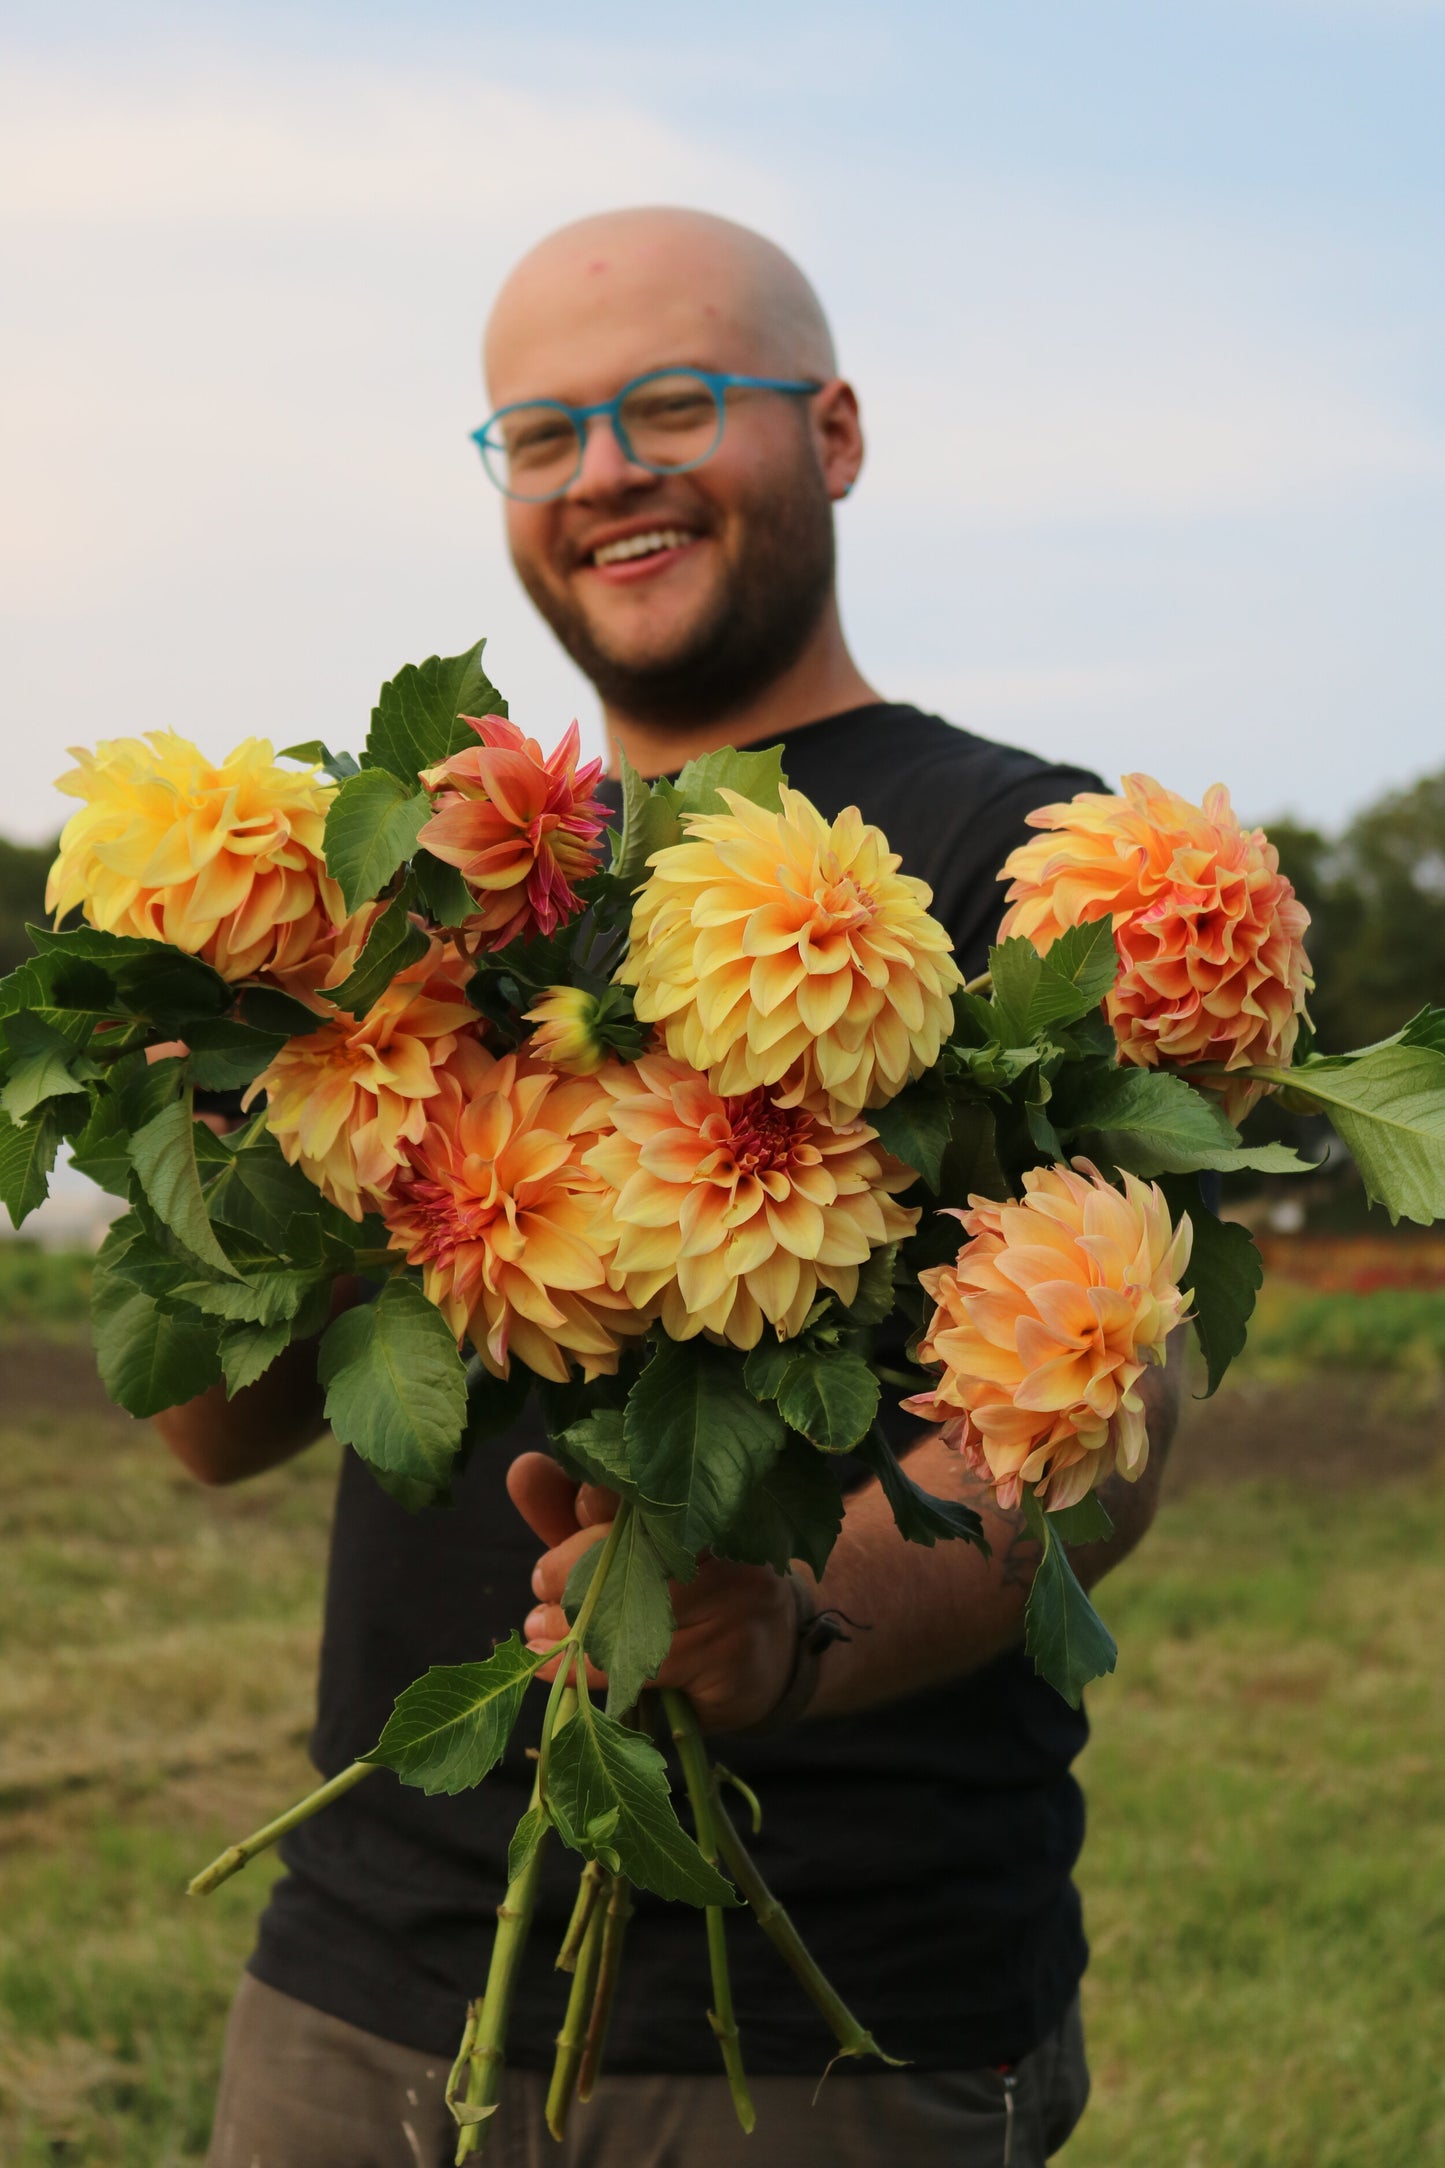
545 1496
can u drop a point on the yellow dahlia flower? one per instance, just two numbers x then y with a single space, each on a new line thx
730 1211
221 860
512 1231
1210 934
345 1102
1043 1326
778 943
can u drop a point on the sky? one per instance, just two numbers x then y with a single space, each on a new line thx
1145 305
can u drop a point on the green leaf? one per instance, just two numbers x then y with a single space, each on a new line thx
755 775
260 1195
393 943
415 721
831 1396
226 1055
875 1297
608 1793
101 1152
371 828
696 1438
444 895
526 1837
597 1449
248 1351
794 1511
396 1389
1426 1028
1222 1279
1064 1634
452 1726
42 1065
649 823
767 1365
1388 1107
630 1632
970 1165
148 1358
920 1517
262 1298
916 1126
269 1010
337 765
163 1154
1032 992
151 978
493 1404
1150 1122
27 1154
1084 1522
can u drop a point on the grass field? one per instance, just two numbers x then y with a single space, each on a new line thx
1265 1874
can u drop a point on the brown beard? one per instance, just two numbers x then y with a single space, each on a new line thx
760 622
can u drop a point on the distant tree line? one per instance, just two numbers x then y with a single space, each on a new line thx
1376 899
1375 894
23 867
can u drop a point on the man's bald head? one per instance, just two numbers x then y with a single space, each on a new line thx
688 286
685 592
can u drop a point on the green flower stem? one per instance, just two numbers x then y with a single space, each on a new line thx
232 1861
574 1647
702 1792
852 2037
572 2039
489 2037
983 984
614 1927
589 1891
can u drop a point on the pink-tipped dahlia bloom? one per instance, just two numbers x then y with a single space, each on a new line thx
1043 1326
735 1212
1210 934
783 951
346 1101
520 826
512 1231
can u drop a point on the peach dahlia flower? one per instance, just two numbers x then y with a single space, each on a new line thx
511 1230
221 859
1043 1326
732 1211
345 1101
520 826
1209 932
774 946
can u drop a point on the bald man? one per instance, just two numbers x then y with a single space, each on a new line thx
670 435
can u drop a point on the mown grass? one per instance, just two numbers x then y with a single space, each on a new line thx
1264 1878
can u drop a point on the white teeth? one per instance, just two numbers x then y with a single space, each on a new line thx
641 545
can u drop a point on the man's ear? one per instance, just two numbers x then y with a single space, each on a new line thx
838 436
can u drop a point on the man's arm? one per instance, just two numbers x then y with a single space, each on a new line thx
223 1441
918 1617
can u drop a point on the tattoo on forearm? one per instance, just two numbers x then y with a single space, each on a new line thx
1017 1551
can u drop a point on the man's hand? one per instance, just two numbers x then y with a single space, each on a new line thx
737 1626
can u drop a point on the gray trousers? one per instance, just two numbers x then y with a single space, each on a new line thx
303 2090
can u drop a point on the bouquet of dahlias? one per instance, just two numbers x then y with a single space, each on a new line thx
661 1124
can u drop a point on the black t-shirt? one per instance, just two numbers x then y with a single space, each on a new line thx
924 1849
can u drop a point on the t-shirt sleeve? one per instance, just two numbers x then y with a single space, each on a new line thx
968 896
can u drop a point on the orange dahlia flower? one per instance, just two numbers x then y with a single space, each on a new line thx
512 1231
771 943
1209 932
730 1211
346 1101
519 826
1043 1326
223 860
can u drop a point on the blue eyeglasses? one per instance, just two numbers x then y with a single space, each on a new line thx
667 421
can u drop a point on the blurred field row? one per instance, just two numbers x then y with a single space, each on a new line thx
1265 1873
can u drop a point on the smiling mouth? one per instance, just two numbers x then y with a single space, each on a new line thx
642 545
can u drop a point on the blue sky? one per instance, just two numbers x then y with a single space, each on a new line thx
1144 303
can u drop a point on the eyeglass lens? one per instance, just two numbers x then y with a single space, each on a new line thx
666 423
